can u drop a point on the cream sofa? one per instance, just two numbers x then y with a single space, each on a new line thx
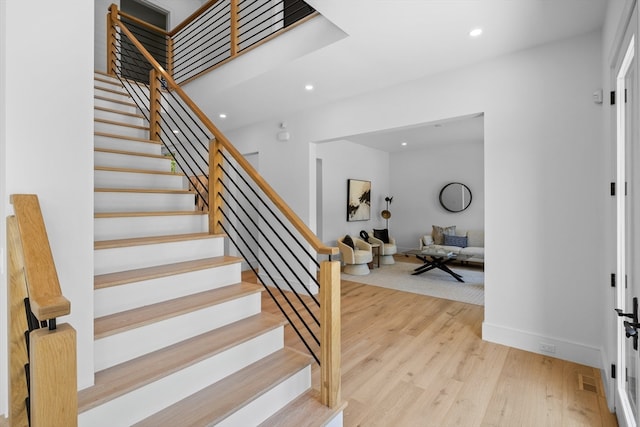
474 240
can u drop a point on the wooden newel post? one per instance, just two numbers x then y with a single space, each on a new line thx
170 56
54 387
112 16
155 106
215 187
234 27
330 336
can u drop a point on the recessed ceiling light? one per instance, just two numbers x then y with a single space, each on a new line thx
403 144
223 116
176 131
476 32
308 87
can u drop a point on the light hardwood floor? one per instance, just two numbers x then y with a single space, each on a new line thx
412 360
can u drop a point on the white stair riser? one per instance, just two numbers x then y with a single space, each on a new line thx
116 299
100 141
110 103
270 402
337 421
120 130
99 91
104 85
132 257
120 118
147 202
116 160
127 345
146 226
145 401
117 179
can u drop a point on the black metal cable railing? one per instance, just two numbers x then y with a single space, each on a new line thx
207 41
203 43
154 42
275 251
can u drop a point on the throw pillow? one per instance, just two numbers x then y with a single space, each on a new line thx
381 234
427 239
349 241
460 241
439 232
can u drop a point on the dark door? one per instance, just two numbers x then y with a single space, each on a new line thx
134 65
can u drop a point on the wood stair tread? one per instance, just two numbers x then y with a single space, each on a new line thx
141 214
117 92
129 138
128 125
116 101
102 73
147 273
141 316
110 80
131 170
213 404
139 241
133 374
304 411
130 153
124 113
143 190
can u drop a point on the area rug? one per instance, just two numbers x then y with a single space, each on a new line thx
435 283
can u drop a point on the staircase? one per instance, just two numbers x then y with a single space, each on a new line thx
180 340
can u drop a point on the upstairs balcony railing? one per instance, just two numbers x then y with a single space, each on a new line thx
292 264
214 34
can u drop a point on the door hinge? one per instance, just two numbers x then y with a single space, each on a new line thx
613 280
613 188
612 97
613 370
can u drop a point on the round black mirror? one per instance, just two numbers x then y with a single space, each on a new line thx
455 197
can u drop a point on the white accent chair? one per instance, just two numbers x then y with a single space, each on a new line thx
387 250
356 259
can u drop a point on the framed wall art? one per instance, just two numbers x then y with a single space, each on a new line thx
358 200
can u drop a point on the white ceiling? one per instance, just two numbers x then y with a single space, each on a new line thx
468 129
392 41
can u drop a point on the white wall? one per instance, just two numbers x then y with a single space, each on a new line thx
46 141
544 177
178 11
417 177
343 160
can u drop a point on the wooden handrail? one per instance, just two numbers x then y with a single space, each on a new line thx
143 23
51 354
299 225
191 17
45 295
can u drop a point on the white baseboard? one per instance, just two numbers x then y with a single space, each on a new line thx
607 381
573 352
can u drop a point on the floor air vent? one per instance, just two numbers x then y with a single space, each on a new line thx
586 383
